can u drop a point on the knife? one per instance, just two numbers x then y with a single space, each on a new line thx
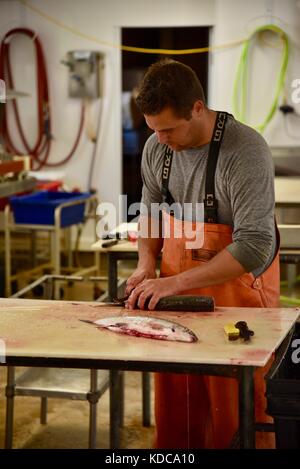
118 302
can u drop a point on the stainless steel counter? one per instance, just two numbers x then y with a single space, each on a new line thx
8 188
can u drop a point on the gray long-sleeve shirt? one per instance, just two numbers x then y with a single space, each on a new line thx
244 186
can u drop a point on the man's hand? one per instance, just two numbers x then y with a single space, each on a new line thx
137 277
149 248
152 290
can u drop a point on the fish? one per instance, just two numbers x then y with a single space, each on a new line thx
146 326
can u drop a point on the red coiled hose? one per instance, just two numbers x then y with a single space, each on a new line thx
41 149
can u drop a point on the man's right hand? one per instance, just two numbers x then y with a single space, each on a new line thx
137 277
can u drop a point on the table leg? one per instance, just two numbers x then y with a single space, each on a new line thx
93 401
115 405
121 397
246 407
116 377
112 277
10 394
44 408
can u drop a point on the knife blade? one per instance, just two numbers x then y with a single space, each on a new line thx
118 302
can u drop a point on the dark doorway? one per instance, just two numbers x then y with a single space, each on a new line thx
134 65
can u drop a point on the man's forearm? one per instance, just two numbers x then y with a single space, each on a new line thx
149 249
222 268
149 242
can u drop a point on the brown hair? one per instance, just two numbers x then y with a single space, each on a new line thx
168 83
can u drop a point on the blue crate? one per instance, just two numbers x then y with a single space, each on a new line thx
39 208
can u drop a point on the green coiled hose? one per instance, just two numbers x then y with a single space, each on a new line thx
239 98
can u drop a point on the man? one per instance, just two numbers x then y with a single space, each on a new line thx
199 155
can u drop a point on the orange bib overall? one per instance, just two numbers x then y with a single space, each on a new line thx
196 411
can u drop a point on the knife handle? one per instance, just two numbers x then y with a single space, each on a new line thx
109 244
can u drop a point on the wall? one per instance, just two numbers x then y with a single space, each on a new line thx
235 19
102 19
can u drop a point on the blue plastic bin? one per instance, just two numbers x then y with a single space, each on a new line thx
39 208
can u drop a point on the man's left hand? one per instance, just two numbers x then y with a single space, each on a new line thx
152 290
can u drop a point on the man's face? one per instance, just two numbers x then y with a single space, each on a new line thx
176 132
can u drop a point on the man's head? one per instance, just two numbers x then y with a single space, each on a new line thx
172 100
169 84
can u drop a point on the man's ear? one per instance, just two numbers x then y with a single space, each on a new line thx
198 107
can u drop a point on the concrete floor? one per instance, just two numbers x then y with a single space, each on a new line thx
67 425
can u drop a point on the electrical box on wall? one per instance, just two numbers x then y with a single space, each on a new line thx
85 69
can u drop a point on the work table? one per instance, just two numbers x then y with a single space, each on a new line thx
50 333
45 329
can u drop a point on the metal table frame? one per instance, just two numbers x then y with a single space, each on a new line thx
55 231
244 375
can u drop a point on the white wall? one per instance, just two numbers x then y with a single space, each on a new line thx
102 19
236 19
